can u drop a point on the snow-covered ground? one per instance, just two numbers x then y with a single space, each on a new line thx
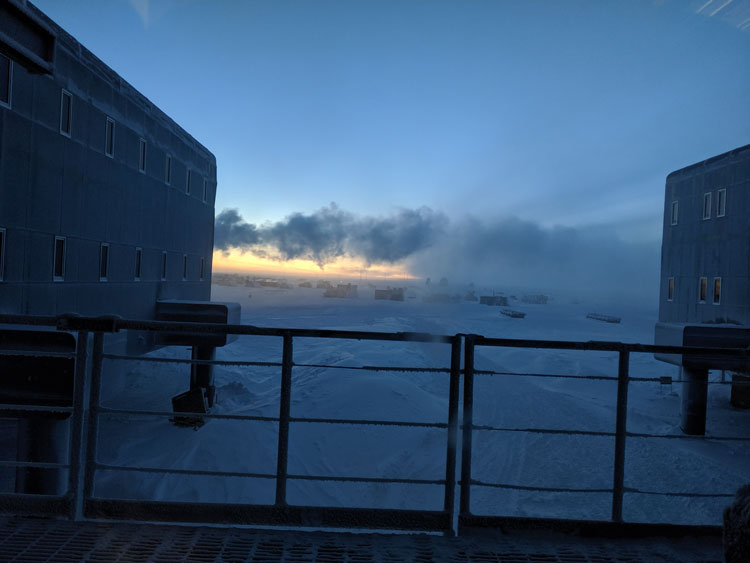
515 458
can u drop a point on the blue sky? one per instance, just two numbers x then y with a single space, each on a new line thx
557 113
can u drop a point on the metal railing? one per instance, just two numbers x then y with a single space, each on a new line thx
80 501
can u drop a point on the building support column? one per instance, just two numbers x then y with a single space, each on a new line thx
201 375
694 400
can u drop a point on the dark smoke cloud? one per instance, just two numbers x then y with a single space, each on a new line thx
586 261
331 233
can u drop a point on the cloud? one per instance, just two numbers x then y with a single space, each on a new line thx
331 233
143 9
502 252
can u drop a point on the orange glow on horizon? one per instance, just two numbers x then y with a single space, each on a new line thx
247 263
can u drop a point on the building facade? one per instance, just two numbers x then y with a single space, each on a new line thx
705 260
106 204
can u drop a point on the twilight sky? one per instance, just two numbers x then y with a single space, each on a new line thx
436 127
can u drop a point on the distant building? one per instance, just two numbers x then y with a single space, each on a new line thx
346 291
392 293
705 275
495 300
106 204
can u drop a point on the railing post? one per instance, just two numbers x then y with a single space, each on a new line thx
450 457
76 426
285 401
618 486
93 419
467 426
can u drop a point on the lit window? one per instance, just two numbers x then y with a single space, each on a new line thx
104 262
670 289
66 113
721 202
702 288
164 265
717 291
6 80
707 205
674 213
168 170
109 138
203 267
187 182
138 260
58 274
142 155
2 255
205 190
184 267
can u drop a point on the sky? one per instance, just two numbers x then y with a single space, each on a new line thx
507 141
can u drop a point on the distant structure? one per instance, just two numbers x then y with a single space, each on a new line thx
705 273
495 300
539 299
391 293
346 291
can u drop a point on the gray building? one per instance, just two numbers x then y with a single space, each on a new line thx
106 208
106 204
705 276
705 259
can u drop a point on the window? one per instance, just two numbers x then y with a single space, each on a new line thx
706 205
164 265
66 113
104 262
205 190
702 287
187 182
203 267
717 291
58 274
142 155
168 170
6 80
184 267
721 202
138 260
109 138
2 254
670 289
674 213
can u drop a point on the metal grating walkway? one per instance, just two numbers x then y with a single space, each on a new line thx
24 539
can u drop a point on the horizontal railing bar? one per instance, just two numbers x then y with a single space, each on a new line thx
19 503
39 464
685 495
556 375
667 382
34 320
367 479
106 410
368 422
34 408
605 346
38 354
162 359
378 368
539 489
204 472
259 514
544 430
